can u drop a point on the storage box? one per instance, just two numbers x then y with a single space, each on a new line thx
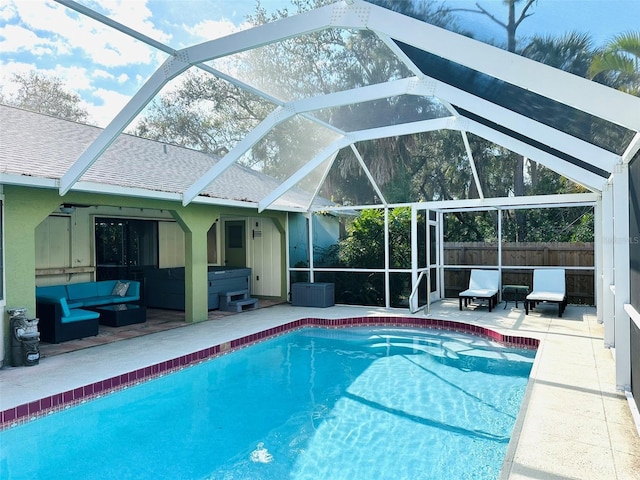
313 294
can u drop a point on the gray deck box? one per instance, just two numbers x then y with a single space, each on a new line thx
313 294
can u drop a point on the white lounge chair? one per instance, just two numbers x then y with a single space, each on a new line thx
548 286
483 284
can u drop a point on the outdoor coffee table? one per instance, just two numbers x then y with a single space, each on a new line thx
122 314
515 290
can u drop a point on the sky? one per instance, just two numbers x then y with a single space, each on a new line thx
105 67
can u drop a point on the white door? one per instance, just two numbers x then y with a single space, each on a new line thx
265 257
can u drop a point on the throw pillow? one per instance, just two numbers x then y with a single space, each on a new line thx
120 288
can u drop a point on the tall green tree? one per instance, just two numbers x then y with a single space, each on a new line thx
45 94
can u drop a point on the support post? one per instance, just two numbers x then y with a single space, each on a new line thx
621 276
607 254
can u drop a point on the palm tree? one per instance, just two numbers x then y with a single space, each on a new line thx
573 52
618 64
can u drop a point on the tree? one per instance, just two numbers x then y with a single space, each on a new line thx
573 52
512 23
618 63
40 93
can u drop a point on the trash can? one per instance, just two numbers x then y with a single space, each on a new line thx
25 338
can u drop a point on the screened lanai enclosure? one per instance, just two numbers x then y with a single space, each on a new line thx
405 155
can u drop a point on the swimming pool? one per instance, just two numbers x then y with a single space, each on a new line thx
312 404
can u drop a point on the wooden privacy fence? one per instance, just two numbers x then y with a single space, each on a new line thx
580 283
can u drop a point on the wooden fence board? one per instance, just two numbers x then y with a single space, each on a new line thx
580 283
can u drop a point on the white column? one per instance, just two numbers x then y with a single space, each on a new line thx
287 258
605 250
387 289
440 233
598 251
311 273
500 251
621 276
414 254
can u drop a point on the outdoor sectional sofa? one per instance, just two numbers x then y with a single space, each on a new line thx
65 310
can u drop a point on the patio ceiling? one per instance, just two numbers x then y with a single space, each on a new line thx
552 117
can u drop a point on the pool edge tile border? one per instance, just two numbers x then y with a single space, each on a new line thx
28 412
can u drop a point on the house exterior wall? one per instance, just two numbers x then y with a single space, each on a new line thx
38 237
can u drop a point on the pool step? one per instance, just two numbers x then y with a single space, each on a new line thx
237 301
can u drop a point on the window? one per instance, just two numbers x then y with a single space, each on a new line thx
124 246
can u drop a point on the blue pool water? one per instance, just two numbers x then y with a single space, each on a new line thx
358 403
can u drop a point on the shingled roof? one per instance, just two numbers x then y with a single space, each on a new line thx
42 148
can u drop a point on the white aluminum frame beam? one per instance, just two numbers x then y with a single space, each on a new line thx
472 164
632 149
573 172
622 292
180 61
527 127
353 137
368 174
279 115
568 89
580 93
322 180
529 201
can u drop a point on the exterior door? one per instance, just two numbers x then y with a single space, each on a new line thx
434 287
235 245
265 257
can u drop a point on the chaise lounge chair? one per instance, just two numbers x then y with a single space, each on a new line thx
483 284
548 286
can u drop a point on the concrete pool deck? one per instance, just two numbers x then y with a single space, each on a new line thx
573 424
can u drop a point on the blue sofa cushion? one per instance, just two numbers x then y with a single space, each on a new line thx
88 294
77 291
78 315
105 287
102 300
51 291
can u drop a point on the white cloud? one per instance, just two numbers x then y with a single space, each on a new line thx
7 11
99 73
136 15
65 31
123 78
212 29
19 39
112 103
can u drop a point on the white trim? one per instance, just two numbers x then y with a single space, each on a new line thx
524 202
635 414
632 149
633 313
620 241
608 289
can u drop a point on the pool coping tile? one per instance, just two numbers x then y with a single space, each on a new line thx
59 401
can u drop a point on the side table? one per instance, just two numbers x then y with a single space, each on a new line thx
122 314
515 290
